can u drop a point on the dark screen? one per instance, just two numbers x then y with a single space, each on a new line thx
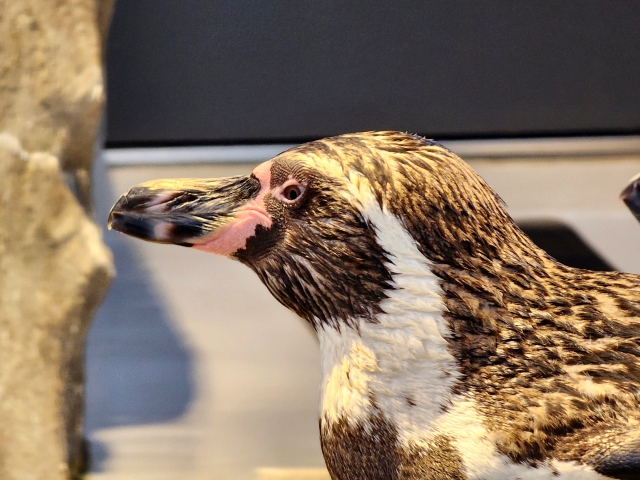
205 71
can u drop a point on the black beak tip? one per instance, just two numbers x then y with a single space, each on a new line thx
113 223
110 220
136 222
132 224
116 212
123 220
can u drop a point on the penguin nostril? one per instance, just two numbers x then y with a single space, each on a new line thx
180 199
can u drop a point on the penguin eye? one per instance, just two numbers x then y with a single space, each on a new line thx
290 192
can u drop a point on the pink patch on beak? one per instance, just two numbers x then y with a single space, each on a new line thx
233 237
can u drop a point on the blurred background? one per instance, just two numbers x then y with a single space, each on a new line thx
193 370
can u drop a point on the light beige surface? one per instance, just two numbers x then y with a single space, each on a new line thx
256 366
581 192
292 474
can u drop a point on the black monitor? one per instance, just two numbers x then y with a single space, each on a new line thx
222 71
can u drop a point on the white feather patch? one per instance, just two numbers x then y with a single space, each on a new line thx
404 365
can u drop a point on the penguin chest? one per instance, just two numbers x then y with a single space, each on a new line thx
380 407
388 411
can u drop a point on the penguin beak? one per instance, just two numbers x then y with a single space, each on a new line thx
188 212
631 196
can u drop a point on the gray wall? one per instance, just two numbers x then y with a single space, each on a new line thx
205 71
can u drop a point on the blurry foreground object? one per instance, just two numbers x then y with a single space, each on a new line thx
452 346
54 268
631 196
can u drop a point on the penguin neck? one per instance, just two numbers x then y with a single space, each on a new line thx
398 365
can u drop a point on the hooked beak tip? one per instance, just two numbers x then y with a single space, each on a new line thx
112 219
112 215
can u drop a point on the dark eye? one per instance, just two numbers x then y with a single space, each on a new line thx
292 192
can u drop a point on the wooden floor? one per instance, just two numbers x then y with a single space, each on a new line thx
195 372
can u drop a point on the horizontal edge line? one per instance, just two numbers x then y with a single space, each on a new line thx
191 155
498 148
577 146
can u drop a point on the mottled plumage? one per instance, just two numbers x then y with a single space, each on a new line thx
452 346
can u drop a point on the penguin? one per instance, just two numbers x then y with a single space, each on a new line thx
452 347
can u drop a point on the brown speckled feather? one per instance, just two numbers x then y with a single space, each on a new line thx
452 346
550 353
